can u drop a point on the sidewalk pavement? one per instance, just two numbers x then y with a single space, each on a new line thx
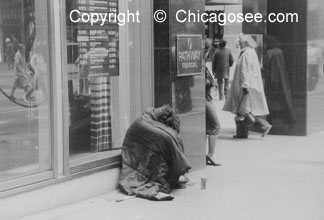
271 178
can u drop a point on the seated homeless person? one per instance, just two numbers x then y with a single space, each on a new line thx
153 160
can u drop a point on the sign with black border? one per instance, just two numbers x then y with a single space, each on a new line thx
189 55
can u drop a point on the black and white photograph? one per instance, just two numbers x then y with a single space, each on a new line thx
161 109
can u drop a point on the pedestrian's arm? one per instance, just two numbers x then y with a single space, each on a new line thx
231 60
265 70
245 71
209 79
33 61
214 60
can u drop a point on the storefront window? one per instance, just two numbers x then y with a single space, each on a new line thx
25 112
92 78
315 66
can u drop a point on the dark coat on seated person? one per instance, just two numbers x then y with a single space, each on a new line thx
152 156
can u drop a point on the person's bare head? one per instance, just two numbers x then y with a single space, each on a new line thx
222 43
245 40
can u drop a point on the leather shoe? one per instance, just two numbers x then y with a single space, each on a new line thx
210 162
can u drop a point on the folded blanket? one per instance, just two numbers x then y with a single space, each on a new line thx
152 155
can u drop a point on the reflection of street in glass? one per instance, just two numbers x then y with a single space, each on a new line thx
183 93
313 65
10 53
19 137
315 56
22 79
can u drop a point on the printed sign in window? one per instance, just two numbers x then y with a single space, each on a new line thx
189 55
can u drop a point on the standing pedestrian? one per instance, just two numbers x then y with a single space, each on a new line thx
247 84
21 79
222 60
15 43
212 122
10 54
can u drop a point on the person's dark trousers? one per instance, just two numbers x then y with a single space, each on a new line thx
223 86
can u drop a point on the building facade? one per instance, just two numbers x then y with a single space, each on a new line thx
70 89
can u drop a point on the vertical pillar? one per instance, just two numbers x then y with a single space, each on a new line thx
292 38
168 87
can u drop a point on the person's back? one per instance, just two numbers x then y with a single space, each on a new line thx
10 49
10 53
15 43
222 60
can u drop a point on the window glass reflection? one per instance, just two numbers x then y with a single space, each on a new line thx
315 66
25 125
92 61
276 84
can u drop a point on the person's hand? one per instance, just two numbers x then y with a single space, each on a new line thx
245 91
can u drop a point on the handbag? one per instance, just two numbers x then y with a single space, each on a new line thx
249 119
244 120
210 80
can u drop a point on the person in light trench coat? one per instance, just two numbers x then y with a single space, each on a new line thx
247 80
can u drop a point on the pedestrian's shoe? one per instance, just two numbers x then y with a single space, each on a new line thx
210 162
266 130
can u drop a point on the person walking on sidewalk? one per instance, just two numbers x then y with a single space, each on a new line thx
21 79
212 122
10 54
247 82
222 60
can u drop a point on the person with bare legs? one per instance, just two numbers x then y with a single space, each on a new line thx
212 122
212 131
21 79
